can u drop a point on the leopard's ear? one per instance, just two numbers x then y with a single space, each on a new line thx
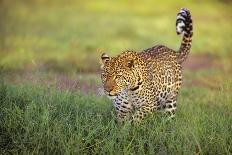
104 58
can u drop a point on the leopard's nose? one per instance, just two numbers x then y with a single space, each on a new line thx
109 86
109 89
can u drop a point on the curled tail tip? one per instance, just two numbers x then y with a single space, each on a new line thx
184 26
183 21
185 10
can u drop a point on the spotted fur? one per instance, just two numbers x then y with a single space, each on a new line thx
148 81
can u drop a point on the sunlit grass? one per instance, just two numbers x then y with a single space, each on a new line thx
71 34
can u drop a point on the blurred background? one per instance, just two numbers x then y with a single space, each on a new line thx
59 42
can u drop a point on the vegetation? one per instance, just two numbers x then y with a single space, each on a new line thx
39 120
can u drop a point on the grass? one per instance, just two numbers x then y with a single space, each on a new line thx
67 36
40 120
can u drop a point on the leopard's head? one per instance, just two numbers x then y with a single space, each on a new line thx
123 72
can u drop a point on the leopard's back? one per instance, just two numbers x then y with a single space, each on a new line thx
163 68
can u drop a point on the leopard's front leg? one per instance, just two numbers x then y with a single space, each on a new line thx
123 108
143 111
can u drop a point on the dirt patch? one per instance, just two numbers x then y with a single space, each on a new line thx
80 82
203 83
77 84
215 72
202 62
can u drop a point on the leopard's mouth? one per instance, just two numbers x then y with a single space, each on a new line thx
112 93
116 92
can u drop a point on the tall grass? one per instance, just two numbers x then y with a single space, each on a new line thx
42 120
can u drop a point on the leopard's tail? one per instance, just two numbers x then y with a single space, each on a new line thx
184 26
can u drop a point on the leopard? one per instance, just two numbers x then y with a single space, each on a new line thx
149 81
